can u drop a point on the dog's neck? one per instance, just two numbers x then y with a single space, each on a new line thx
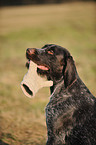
56 84
56 87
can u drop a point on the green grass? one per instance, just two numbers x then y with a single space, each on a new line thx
22 120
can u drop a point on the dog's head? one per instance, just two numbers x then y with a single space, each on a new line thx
53 61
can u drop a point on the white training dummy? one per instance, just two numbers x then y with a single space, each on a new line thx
32 82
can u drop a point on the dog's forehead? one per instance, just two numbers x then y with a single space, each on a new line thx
47 46
53 47
57 49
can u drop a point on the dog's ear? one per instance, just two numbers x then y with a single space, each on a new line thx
69 71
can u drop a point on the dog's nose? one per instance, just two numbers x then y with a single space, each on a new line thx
30 50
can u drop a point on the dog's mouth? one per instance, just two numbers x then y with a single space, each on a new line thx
40 66
36 60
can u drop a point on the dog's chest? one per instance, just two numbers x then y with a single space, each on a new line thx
59 121
58 116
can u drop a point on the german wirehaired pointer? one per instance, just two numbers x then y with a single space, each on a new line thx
71 111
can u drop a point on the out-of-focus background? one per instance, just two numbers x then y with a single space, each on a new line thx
70 24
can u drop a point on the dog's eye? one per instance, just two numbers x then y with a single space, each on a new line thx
50 52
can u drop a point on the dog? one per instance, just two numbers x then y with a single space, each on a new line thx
71 111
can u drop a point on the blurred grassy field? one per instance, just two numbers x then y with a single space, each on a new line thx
22 120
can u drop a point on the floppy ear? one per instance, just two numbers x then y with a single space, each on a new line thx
69 72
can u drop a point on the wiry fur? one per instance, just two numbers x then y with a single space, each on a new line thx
71 111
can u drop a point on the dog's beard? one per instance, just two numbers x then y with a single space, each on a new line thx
44 73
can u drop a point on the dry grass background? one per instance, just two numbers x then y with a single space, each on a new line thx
22 120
